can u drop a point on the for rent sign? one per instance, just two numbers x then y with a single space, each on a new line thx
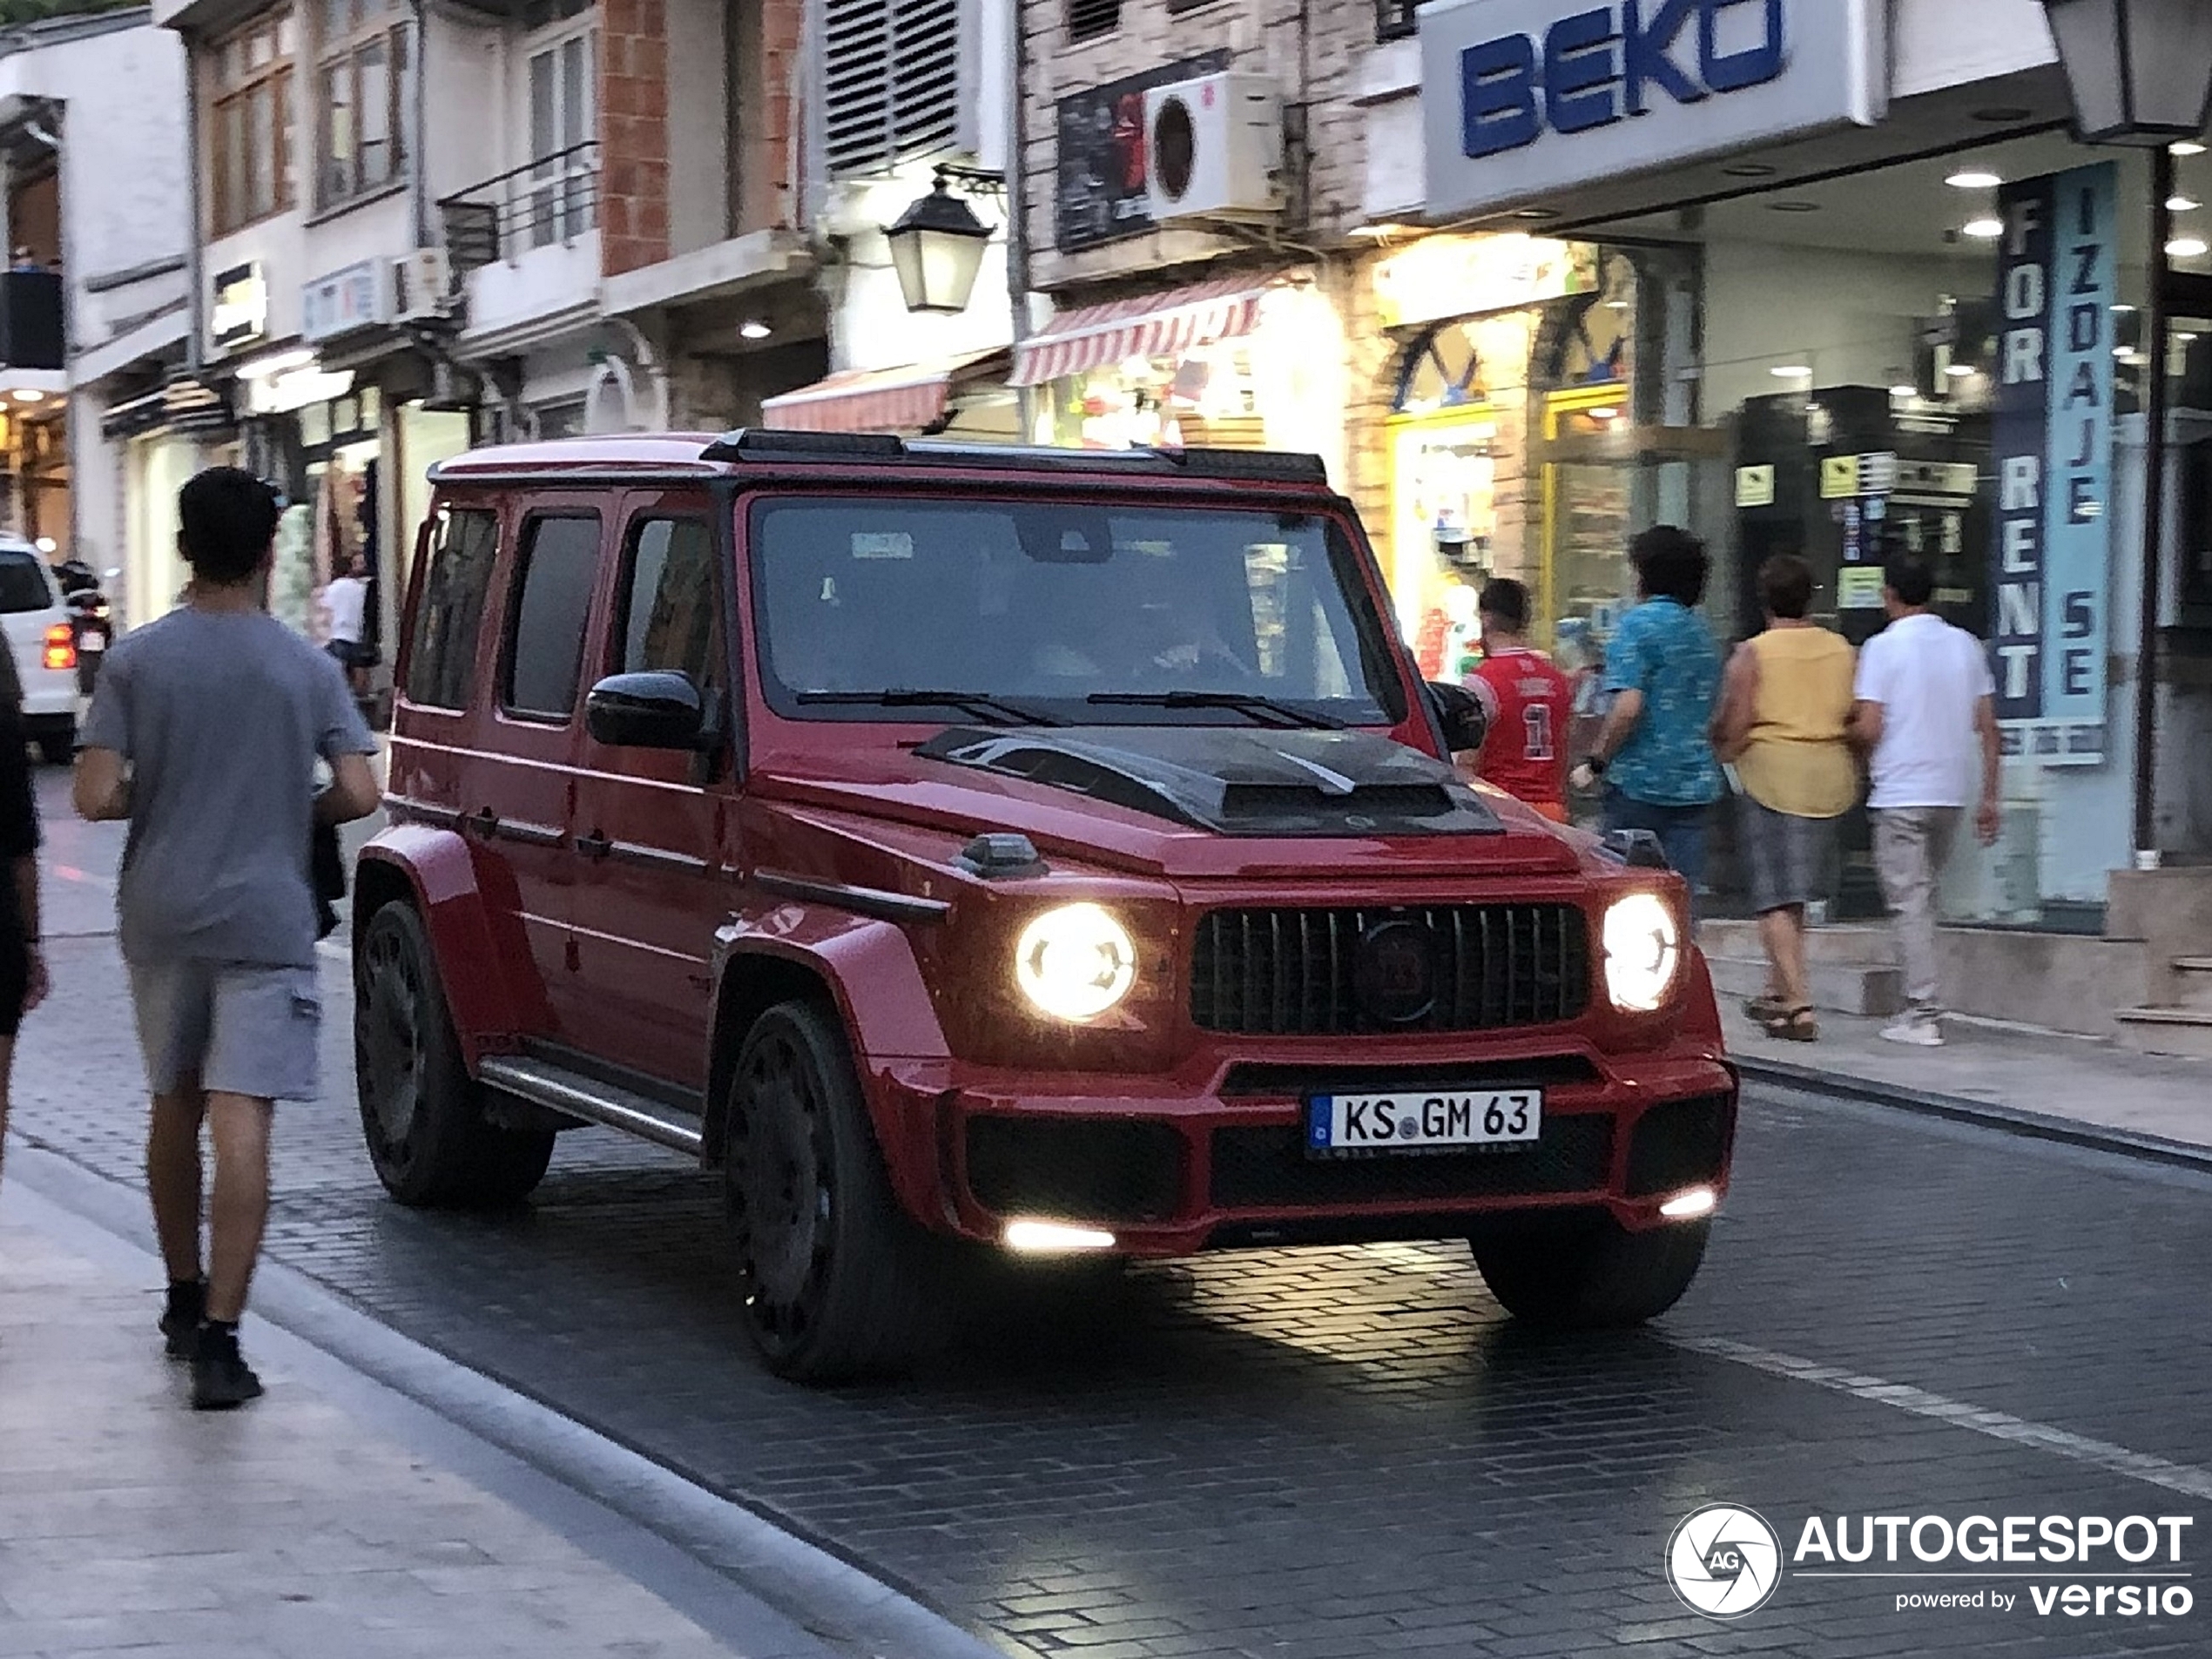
2057 281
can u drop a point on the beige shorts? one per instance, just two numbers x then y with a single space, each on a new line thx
238 1028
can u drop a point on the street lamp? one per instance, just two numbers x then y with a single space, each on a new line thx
937 248
2140 72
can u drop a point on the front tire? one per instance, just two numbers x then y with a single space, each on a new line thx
838 1283
422 1116
1600 1278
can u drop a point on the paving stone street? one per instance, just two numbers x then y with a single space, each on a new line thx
1331 1453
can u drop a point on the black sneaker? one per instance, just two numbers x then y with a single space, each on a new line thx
221 1380
181 1319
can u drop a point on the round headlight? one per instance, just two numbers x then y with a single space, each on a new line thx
1075 962
1642 952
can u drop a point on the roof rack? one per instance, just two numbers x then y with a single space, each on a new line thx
777 444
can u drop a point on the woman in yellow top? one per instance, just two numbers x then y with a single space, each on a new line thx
1785 706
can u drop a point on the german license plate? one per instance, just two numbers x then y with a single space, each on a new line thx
1422 1120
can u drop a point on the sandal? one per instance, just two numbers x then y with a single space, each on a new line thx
1764 1007
1792 1025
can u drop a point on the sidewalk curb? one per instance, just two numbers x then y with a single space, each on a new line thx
2009 1120
833 1601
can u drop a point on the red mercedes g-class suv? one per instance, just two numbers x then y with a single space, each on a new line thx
1052 851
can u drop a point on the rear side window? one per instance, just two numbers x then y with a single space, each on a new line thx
449 610
23 584
560 566
668 601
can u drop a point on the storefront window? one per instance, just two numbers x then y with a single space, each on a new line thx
1874 355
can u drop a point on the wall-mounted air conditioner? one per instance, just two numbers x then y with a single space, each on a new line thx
1214 149
424 282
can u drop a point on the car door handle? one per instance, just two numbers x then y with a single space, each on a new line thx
594 845
485 822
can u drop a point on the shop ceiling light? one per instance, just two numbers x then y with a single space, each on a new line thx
2123 311
1970 179
2139 72
1791 372
2188 247
2182 205
30 395
1960 371
2187 148
1983 229
1905 393
754 329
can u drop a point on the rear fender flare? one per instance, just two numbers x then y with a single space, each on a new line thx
435 871
866 971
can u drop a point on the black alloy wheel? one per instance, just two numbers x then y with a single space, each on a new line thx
837 1283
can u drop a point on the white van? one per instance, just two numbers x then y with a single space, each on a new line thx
42 638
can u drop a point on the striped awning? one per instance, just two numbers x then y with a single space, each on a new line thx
1160 325
910 399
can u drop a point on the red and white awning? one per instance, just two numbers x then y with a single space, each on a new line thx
1160 325
877 399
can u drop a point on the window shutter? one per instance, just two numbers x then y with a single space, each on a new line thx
1087 19
893 75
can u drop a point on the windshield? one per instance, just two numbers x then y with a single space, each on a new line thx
24 584
1064 612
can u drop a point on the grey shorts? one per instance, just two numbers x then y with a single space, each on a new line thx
241 1029
1790 860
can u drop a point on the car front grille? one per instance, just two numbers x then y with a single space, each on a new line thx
1267 1168
1314 973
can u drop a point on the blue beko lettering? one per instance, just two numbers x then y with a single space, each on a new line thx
1498 96
1594 66
1646 48
1581 71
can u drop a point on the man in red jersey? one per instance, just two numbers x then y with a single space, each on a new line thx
1529 702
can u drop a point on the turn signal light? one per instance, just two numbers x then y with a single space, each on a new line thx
61 646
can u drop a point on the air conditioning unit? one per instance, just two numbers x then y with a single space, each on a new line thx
1214 149
424 280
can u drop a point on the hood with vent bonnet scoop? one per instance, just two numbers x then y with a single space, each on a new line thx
1235 780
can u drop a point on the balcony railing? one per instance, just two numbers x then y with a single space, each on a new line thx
1397 19
543 203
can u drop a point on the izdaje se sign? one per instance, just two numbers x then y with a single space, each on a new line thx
1521 97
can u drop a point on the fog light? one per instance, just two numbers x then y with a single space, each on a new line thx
1042 1238
1686 1206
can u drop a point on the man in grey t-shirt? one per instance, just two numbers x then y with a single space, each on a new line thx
204 735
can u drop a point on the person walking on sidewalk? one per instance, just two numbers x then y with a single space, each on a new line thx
204 735
1925 712
1527 701
23 969
1783 722
1656 750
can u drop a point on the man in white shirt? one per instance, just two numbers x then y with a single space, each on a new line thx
1925 715
345 601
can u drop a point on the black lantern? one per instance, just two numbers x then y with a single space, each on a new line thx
937 248
2140 72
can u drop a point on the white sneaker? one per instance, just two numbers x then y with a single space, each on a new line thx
1919 1031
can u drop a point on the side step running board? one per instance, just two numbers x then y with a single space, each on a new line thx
562 1090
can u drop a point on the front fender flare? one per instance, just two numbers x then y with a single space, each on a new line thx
439 871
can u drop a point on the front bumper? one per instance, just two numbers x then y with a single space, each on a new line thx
1171 1170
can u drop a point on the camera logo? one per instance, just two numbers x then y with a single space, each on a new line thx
1724 1561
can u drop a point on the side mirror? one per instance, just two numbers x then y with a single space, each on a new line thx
1465 724
660 709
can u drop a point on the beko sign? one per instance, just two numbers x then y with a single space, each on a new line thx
1521 97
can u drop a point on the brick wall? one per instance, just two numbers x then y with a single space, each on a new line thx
633 134
768 116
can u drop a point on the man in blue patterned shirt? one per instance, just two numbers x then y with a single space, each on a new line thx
1663 671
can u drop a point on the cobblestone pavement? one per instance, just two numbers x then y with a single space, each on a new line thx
1327 1455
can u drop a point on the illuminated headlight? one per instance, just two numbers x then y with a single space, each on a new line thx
1642 952
1075 962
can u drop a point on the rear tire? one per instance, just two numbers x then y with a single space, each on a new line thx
1600 1279
422 1116
838 1283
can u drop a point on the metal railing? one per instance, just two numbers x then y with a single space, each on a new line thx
541 204
1397 19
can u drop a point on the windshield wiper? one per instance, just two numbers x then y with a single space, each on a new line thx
979 704
1251 703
